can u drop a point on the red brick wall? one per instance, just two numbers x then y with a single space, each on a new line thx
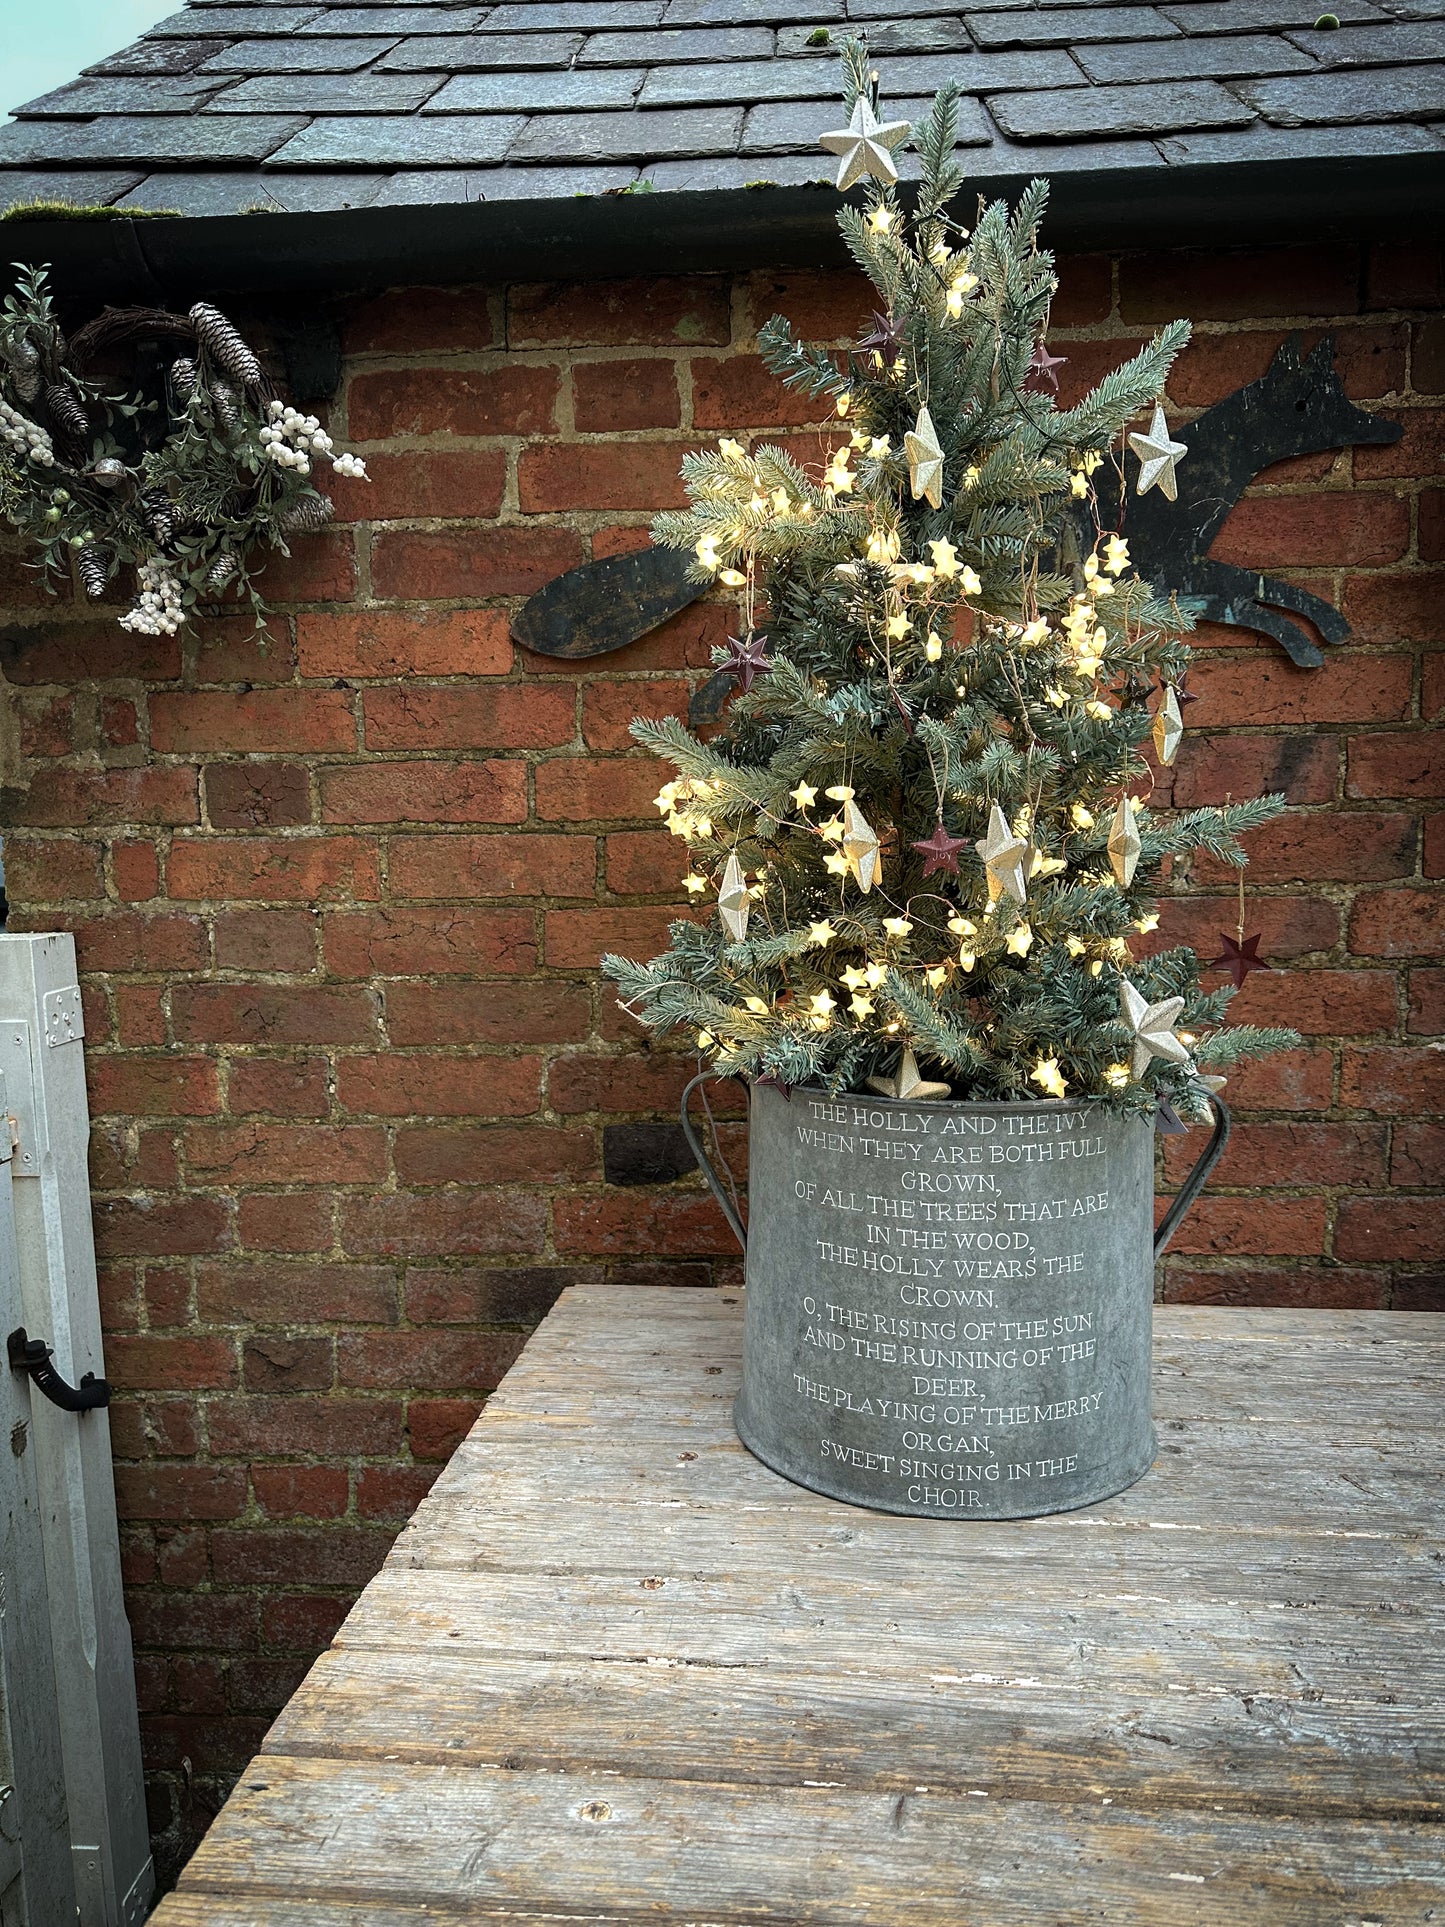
338 902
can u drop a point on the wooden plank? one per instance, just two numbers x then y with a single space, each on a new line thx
1149 1744
590 1844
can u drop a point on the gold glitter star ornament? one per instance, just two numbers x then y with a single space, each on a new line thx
732 900
860 847
1005 857
865 146
1158 456
1124 844
1168 729
908 1084
1152 1026
925 460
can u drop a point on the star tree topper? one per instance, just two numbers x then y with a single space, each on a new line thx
908 1083
1005 856
1152 1026
866 146
1157 457
925 460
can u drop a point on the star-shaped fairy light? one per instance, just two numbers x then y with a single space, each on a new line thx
909 1083
1124 844
860 846
1152 1026
1006 858
865 146
925 460
747 658
733 899
1157 457
940 852
1043 365
1168 728
1237 959
886 340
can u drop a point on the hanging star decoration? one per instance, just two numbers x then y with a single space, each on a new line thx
1158 456
1168 729
1152 1026
1006 857
909 1084
925 460
747 658
1238 957
1167 1121
1184 694
886 340
865 146
733 900
1124 844
860 846
1043 365
940 852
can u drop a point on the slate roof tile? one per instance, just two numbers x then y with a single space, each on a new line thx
1392 93
1380 46
1068 26
401 140
1249 54
728 172
1254 16
140 94
179 140
395 20
588 16
1271 144
480 53
673 46
240 191
632 136
421 188
81 187
741 81
232 23
293 55
156 57
1006 158
932 34
980 73
744 13
775 128
548 91
328 94
1163 107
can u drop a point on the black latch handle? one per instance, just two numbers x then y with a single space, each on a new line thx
33 1355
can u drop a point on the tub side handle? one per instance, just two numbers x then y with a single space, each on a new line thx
1198 1177
714 1183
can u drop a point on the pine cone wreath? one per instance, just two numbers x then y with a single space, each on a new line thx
94 566
225 346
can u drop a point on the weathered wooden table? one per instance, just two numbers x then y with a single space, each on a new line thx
615 1671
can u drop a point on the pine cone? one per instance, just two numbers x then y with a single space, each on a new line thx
185 377
220 572
27 384
66 412
225 347
310 513
160 518
224 407
94 566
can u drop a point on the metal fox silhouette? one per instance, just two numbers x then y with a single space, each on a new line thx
1297 407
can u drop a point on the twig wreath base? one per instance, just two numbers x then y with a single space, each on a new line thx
189 481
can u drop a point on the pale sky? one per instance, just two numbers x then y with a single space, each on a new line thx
44 43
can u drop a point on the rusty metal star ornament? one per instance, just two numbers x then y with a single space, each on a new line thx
886 340
940 852
1158 456
1237 959
1006 858
860 847
747 658
733 901
925 460
1152 1026
1168 729
1043 365
865 146
909 1083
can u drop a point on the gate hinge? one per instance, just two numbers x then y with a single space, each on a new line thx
33 1355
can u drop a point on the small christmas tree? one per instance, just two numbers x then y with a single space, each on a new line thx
926 827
